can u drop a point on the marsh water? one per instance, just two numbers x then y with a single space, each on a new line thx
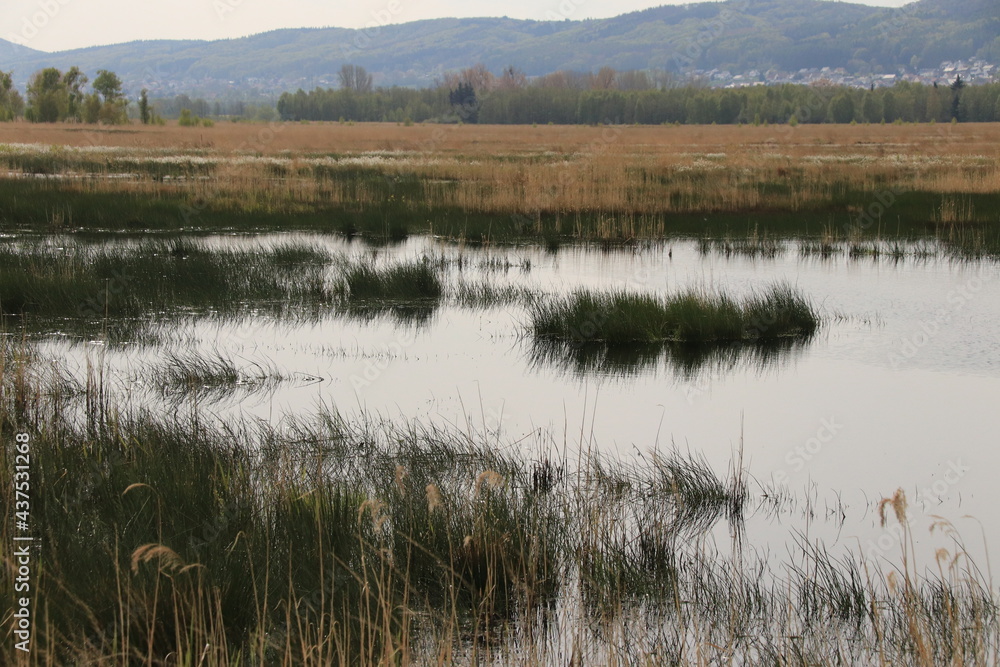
900 388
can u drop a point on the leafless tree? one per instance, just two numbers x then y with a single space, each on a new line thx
356 78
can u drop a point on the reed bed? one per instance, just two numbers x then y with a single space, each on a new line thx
96 281
622 318
489 184
124 289
333 541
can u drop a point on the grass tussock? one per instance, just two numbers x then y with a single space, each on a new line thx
623 318
412 281
212 376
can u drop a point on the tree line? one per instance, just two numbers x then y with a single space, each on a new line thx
476 95
55 96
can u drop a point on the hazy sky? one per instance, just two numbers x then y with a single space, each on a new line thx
54 25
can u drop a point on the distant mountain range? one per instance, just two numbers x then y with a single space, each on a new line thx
737 35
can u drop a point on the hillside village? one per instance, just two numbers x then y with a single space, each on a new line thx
973 71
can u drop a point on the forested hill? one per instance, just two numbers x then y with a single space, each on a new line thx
11 52
736 35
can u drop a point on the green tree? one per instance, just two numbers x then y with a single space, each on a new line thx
92 108
74 80
463 100
108 86
871 109
188 119
48 100
956 97
842 108
144 114
113 102
11 103
889 108
936 105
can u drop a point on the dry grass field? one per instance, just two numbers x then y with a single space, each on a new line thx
967 139
608 182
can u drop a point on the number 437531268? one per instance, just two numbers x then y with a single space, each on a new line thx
22 479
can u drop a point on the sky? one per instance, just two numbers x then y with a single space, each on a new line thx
56 25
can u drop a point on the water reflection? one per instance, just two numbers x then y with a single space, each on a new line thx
399 314
683 361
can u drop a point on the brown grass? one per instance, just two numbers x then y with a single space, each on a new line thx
964 139
631 173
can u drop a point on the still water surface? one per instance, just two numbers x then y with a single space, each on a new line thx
900 389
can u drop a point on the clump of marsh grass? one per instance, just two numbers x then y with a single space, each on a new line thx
408 292
411 281
624 318
823 248
212 376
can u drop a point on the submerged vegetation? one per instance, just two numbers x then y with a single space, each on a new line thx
331 541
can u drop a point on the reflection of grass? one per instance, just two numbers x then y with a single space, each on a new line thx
471 294
623 318
685 361
970 243
374 543
752 245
